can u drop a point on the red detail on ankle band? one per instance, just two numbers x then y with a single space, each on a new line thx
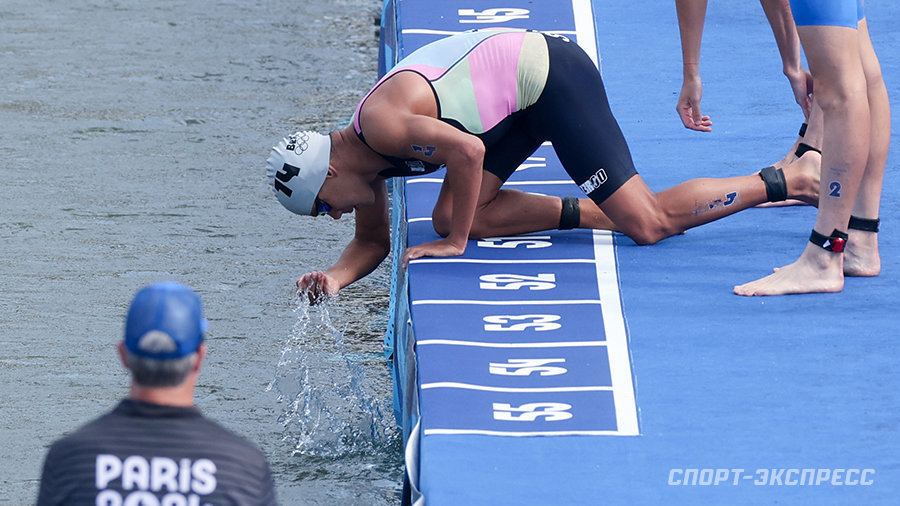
837 244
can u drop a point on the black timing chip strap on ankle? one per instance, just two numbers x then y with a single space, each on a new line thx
571 214
803 130
864 224
776 186
803 147
836 242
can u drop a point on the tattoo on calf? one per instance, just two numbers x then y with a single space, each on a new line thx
834 189
726 201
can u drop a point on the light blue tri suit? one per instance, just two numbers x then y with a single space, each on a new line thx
828 12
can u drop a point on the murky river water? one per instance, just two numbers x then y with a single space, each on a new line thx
133 138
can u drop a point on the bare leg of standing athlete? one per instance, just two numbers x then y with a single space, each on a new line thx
853 99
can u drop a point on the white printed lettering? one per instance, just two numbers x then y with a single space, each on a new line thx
594 182
538 322
204 472
184 475
530 242
543 281
163 473
492 15
141 498
552 411
106 469
108 498
135 473
526 366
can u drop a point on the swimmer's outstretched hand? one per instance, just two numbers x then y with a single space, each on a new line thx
688 106
439 248
318 286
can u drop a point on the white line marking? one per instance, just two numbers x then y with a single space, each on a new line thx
429 432
486 261
429 31
584 29
435 180
505 302
480 344
483 388
614 327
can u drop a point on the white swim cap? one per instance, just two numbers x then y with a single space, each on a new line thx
297 167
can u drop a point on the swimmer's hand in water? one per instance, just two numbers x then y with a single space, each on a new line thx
318 286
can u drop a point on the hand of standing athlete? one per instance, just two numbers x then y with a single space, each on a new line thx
688 106
802 85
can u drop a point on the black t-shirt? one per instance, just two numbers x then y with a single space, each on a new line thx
161 454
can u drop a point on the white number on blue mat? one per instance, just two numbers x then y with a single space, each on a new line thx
530 242
552 411
527 366
543 281
503 322
492 15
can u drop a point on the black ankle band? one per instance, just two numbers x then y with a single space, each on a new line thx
776 186
835 242
802 130
803 148
866 225
571 214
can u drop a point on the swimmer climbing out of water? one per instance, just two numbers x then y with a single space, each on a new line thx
479 103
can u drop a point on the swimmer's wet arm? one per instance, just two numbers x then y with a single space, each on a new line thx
463 155
371 241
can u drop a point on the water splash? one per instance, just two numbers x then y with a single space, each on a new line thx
329 408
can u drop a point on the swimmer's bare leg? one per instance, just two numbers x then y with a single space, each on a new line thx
834 56
861 257
816 271
508 212
812 136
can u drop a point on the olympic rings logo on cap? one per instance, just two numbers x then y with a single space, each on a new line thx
298 145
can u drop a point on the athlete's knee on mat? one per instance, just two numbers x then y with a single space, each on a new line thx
650 229
648 234
646 237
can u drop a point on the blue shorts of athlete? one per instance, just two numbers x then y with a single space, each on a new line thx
573 113
828 12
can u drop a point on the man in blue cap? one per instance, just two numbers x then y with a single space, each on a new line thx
155 447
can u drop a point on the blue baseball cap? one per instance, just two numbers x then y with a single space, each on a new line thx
165 321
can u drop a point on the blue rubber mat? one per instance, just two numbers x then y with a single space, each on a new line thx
705 397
